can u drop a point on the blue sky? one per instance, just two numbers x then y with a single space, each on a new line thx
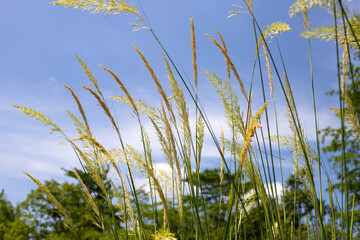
37 45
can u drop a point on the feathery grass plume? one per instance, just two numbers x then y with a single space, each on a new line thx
304 5
275 29
52 200
305 15
328 33
91 156
152 73
124 204
226 61
147 147
169 136
165 146
102 150
166 180
350 117
98 221
345 66
122 87
89 75
271 31
97 170
193 49
178 96
325 33
269 70
230 102
183 113
81 129
259 113
298 138
248 140
180 105
54 128
249 168
164 234
174 86
107 7
200 126
231 64
104 107
94 170
37 115
141 106
96 173
93 164
132 153
166 149
233 114
159 88
173 152
81 110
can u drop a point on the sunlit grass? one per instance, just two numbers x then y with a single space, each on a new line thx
247 155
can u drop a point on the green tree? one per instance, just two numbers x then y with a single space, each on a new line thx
352 149
11 226
47 222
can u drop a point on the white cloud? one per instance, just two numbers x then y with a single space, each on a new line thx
41 157
274 189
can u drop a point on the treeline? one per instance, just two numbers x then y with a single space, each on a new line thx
35 218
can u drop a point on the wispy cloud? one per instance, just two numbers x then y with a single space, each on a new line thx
34 154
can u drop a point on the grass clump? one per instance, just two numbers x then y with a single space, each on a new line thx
181 200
